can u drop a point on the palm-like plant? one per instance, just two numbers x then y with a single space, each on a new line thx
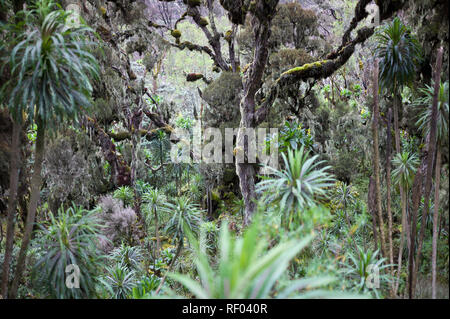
70 238
424 123
154 200
185 215
425 111
399 53
300 185
344 195
119 281
50 68
362 266
405 166
125 194
129 256
247 270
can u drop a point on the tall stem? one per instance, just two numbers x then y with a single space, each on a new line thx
12 203
435 222
376 167
430 158
180 245
36 182
388 188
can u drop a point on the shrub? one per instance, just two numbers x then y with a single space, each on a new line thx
70 238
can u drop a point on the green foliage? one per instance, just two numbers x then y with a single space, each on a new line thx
145 286
184 214
346 93
183 122
247 270
130 257
154 199
300 185
424 109
361 266
50 66
293 136
125 194
399 52
70 238
119 281
405 165
344 195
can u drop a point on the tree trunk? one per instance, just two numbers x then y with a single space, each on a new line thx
158 243
246 171
404 197
372 209
430 157
376 160
388 188
36 182
12 203
416 196
435 222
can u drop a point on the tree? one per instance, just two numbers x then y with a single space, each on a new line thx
50 69
15 147
70 238
184 214
399 53
253 109
376 158
154 200
405 165
299 186
427 172
442 134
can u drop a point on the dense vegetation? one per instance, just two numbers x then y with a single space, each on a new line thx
101 198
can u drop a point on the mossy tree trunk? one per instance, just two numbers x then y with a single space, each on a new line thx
36 183
435 222
12 203
431 148
388 189
376 159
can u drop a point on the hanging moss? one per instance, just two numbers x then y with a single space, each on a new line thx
228 35
175 33
203 22
192 77
305 67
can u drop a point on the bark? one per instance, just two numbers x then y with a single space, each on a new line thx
388 188
404 197
246 171
376 159
36 183
397 105
416 196
158 241
372 209
12 203
435 222
430 158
